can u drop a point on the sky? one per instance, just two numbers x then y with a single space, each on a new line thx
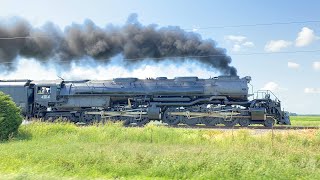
277 43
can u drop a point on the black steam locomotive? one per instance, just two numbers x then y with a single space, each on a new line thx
187 100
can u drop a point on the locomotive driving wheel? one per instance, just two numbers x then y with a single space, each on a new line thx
172 119
244 122
191 121
229 123
86 118
139 121
49 118
210 121
269 122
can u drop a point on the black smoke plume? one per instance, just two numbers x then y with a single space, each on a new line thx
134 41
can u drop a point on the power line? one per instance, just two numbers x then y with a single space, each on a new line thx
279 52
16 37
184 57
205 56
24 37
258 24
198 28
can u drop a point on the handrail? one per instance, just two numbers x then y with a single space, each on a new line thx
264 93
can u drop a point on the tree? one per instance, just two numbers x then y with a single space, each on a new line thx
10 118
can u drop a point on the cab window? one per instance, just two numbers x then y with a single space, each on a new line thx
44 90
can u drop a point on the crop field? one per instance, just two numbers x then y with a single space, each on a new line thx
67 151
305 120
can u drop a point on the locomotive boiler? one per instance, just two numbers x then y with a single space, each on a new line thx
188 100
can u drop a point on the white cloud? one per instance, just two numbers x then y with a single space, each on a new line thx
272 86
195 28
316 65
312 90
236 47
248 44
234 38
293 65
276 45
305 37
239 42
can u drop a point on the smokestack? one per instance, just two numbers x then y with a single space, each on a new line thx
136 42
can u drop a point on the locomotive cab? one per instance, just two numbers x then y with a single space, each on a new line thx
46 92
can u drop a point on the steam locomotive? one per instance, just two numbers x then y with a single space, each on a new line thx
187 100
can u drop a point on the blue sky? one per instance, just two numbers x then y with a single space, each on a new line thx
255 50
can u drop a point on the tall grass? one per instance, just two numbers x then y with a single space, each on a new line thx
62 150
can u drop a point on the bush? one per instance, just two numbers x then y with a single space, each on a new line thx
10 118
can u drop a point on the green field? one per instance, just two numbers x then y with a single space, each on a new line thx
65 151
305 120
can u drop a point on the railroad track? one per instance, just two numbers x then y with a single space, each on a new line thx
249 127
277 127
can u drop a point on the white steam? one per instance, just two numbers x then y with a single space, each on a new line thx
32 69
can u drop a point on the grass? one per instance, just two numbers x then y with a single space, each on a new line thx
305 120
65 151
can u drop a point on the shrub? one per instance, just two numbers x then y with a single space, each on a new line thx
10 118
